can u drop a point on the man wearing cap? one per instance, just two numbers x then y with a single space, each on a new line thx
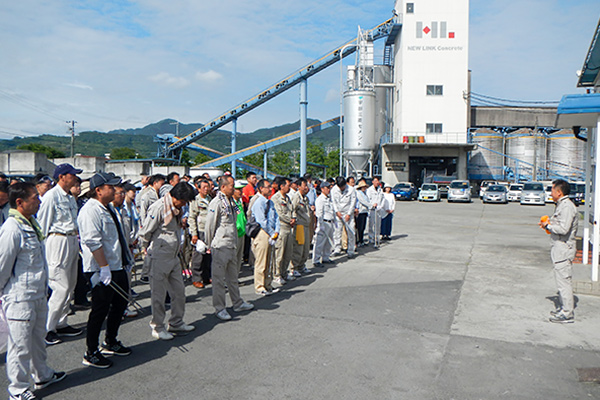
343 198
58 219
221 238
364 206
105 260
23 287
325 223
43 184
150 197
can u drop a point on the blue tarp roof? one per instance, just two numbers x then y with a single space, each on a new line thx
578 110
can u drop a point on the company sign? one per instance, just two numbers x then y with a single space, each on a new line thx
435 30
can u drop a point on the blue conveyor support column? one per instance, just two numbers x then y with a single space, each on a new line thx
265 164
233 147
303 113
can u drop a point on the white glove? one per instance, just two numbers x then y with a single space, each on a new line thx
105 275
272 242
201 247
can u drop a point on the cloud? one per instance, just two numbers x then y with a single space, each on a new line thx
166 79
80 86
208 76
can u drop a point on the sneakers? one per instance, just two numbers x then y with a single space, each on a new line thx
69 331
317 265
183 328
144 279
243 307
291 276
223 315
116 349
52 338
351 256
56 377
134 294
162 335
264 293
279 280
328 262
556 312
26 395
129 313
297 274
306 271
561 318
96 360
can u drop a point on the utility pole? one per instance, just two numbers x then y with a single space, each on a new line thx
176 123
72 131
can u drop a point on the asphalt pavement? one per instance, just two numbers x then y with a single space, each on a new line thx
455 306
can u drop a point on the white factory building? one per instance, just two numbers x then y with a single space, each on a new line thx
421 113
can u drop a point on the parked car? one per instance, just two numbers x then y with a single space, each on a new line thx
483 187
495 194
459 191
514 192
548 192
405 191
577 194
533 193
429 192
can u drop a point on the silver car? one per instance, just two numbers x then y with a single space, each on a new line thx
459 191
429 192
495 194
514 192
533 193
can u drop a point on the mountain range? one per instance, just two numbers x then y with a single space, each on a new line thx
93 143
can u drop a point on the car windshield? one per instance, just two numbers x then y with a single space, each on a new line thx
496 188
533 186
516 187
429 187
548 188
577 187
402 186
459 185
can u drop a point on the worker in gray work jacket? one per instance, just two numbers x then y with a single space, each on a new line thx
23 286
562 226
160 235
222 240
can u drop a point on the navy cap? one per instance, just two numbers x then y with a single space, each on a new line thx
325 184
104 178
128 186
64 169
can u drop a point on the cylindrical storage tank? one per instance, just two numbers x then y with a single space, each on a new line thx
524 146
359 127
382 74
483 163
566 154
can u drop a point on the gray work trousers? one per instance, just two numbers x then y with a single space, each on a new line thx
166 276
62 255
301 251
284 248
563 272
350 232
26 352
225 271
323 242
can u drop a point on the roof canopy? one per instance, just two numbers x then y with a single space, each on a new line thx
591 67
578 110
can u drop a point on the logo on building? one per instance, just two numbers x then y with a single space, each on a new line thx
436 29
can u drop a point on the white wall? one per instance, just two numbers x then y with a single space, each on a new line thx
432 61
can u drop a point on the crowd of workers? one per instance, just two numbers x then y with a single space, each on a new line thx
63 239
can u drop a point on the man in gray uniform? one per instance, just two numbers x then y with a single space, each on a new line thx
23 286
58 219
197 222
221 238
160 235
325 225
148 198
302 232
562 226
343 198
284 246
4 204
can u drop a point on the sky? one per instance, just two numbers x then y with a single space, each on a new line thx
112 64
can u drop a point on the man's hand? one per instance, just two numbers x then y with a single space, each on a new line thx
339 215
347 218
293 222
105 275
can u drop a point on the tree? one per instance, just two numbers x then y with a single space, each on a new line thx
50 152
122 153
201 158
282 163
333 162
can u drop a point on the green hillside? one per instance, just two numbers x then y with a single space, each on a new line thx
142 139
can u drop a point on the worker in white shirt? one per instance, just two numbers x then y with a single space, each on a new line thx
325 224
343 198
375 195
58 219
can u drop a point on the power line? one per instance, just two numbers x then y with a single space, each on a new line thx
475 95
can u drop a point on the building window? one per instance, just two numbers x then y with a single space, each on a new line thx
410 8
433 128
435 90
